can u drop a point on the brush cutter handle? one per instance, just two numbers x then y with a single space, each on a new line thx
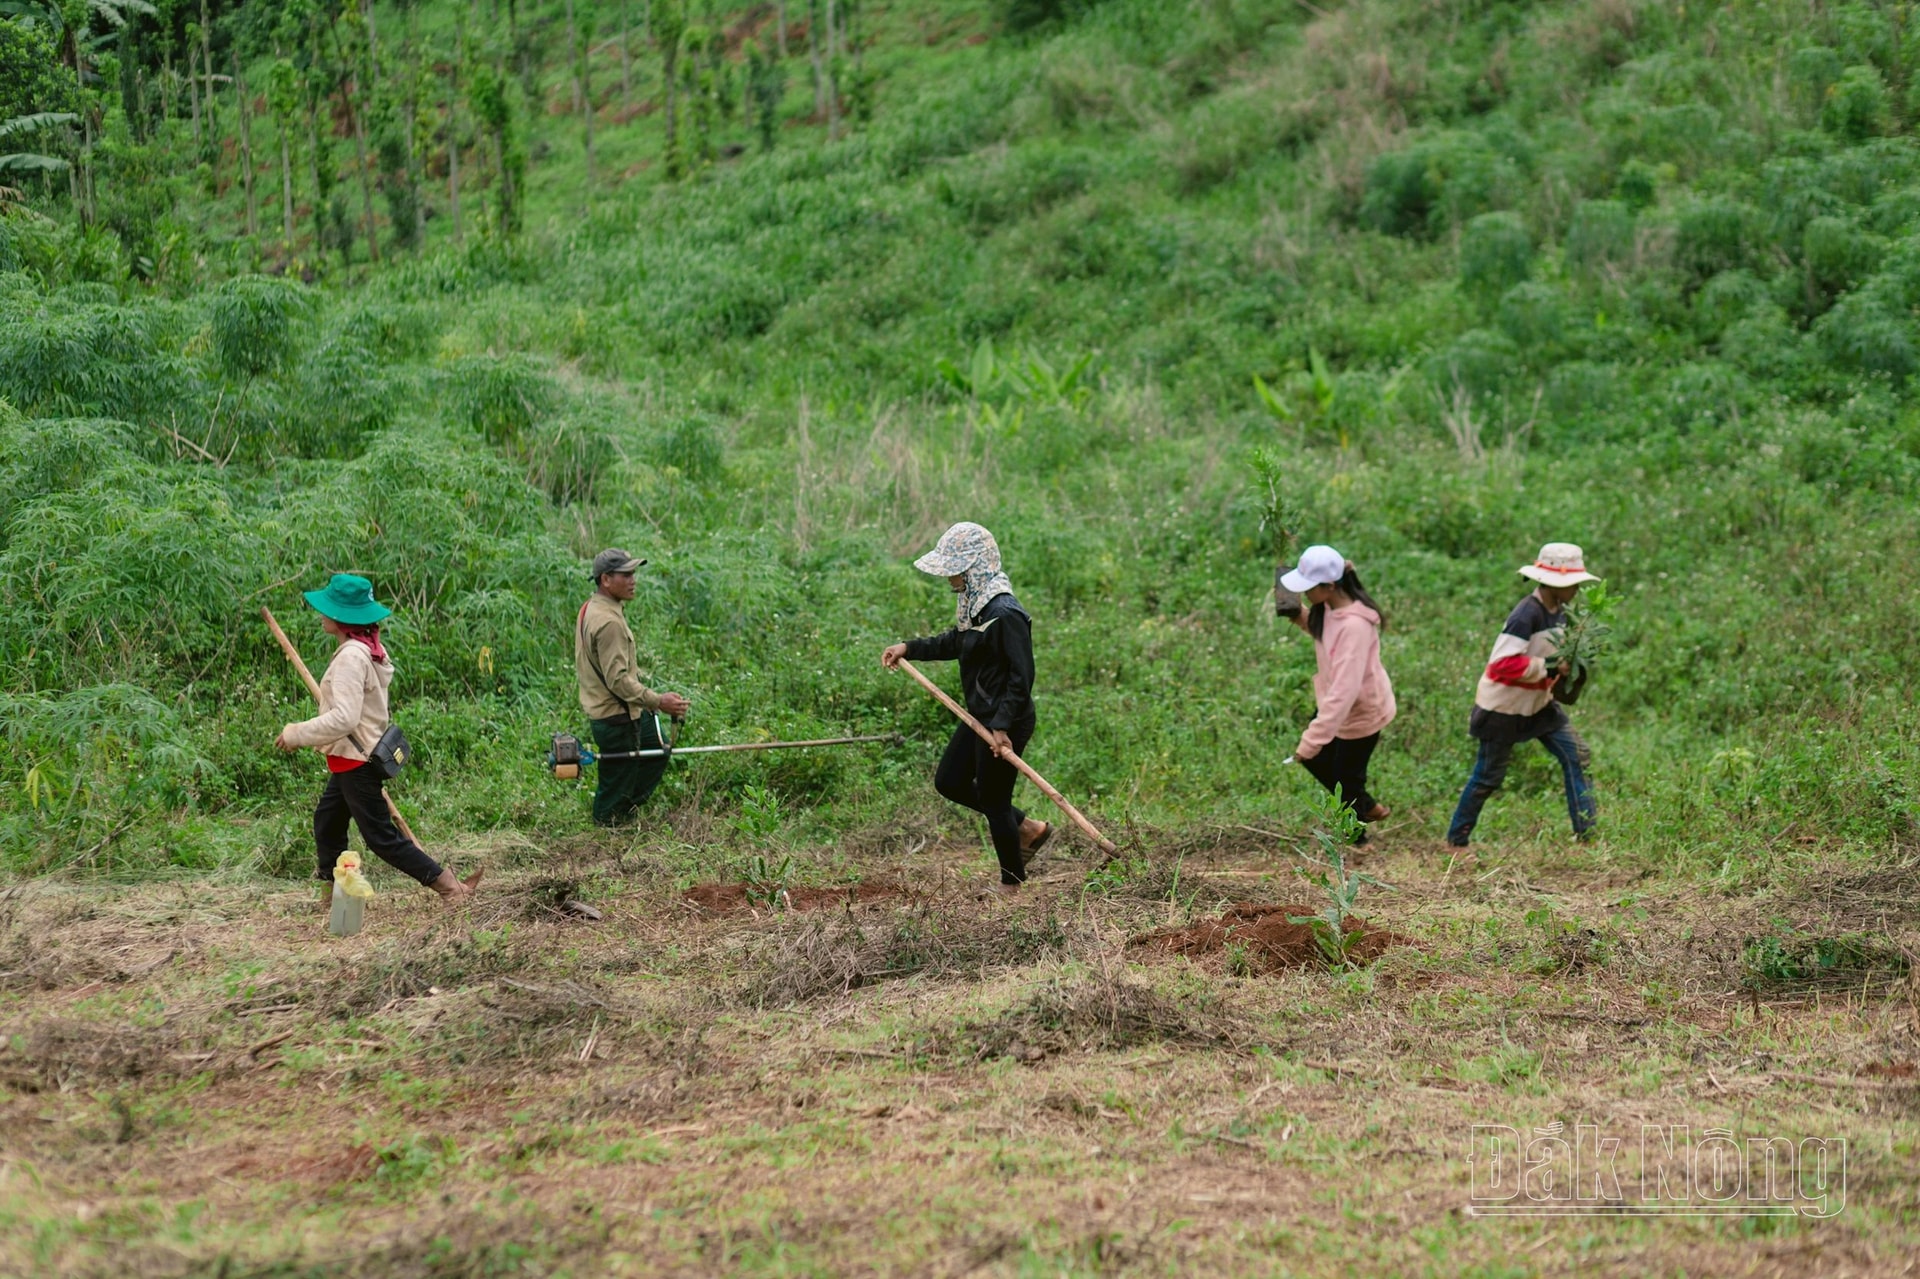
313 686
1046 788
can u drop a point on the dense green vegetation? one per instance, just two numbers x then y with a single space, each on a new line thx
1638 276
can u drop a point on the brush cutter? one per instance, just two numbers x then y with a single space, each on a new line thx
567 755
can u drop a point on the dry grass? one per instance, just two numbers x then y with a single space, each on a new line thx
197 1080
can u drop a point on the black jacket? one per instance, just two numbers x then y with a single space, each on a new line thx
996 662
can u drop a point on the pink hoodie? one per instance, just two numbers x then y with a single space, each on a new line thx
1354 695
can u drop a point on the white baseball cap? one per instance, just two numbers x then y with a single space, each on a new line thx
1318 566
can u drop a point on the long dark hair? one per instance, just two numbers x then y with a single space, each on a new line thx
1350 583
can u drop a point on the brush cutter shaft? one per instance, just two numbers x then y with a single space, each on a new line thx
749 746
313 686
1046 788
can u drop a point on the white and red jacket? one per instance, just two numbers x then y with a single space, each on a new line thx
1517 680
1351 689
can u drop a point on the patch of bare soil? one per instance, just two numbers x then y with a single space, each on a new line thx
1271 941
722 898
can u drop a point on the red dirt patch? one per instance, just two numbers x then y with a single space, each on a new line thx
1892 1070
733 897
1272 943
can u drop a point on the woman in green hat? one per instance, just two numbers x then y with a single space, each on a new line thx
353 715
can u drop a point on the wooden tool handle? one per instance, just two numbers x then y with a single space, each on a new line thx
1046 788
293 654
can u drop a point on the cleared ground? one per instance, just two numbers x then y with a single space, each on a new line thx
197 1080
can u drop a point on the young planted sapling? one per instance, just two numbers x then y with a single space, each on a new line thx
1334 829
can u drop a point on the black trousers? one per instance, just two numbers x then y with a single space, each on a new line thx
360 794
1342 763
972 776
625 784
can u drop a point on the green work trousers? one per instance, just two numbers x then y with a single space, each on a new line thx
625 784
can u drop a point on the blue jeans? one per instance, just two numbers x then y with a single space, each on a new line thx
1490 769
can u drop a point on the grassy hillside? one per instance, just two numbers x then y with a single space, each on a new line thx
1156 291
1633 276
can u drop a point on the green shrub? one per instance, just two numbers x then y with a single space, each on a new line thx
501 397
1856 105
1480 361
1027 17
1704 395
1811 72
1533 314
1496 253
252 324
690 447
1600 236
1020 182
568 458
1582 389
1837 254
1724 300
1636 185
341 396
1862 333
1711 236
1765 345
1441 182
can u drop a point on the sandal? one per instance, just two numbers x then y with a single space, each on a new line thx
1039 841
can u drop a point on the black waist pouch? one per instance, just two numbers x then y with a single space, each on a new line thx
390 754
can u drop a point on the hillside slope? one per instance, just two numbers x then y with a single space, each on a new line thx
1636 276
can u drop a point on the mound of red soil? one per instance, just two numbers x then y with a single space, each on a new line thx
733 897
1271 942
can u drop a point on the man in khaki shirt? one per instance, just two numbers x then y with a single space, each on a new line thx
624 711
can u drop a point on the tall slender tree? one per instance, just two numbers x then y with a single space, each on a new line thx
283 99
833 79
351 72
454 67
583 61
193 87
813 54
668 18
246 144
206 65
626 57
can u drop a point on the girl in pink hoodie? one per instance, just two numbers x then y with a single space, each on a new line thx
1353 695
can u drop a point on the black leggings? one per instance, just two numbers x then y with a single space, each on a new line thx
359 794
1342 763
971 775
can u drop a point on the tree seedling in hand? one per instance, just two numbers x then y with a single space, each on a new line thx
1583 640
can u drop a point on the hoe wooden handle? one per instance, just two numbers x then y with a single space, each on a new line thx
293 654
1046 788
313 686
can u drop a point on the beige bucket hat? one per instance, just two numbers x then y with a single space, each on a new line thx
1559 564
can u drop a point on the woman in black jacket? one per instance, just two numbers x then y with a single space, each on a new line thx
992 639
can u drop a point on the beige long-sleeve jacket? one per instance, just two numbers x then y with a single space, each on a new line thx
604 661
353 700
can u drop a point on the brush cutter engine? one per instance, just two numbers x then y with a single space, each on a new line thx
566 757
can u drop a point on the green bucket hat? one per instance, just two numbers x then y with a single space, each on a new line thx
348 599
